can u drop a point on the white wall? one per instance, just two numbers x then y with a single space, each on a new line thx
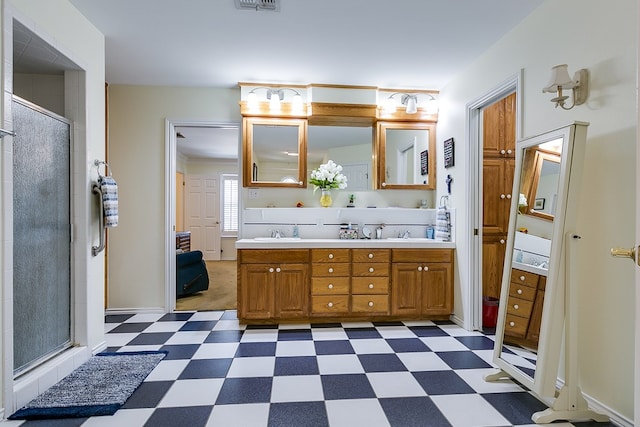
602 37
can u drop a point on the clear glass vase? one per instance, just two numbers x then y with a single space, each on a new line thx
325 199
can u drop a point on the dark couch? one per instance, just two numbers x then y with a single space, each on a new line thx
191 273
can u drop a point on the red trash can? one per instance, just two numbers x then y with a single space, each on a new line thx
489 312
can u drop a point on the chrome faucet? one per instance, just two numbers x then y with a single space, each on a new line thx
404 235
276 234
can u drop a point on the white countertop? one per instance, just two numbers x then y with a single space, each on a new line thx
292 243
530 268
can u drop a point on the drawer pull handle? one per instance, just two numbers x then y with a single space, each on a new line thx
512 324
330 270
516 306
519 291
330 256
522 278
370 256
330 305
370 269
330 286
370 285
370 303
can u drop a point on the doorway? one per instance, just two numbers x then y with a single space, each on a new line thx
475 110
203 152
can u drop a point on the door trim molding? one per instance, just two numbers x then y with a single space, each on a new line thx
514 83
170 199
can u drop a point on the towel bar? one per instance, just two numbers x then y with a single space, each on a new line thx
95 250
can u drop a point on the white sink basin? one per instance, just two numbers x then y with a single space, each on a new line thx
276 239
409 239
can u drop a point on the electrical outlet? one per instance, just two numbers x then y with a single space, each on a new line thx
253 193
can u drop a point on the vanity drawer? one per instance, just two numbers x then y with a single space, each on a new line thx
331 269
329 285
370 285
370 304
524 278
271 256
330 255
524 292
422 255
516 326
324 304
519 307
371 255
370 269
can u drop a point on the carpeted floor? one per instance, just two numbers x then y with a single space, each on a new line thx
222 292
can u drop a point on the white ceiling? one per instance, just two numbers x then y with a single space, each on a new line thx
413 44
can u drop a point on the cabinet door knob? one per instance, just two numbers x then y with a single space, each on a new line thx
508 196
370 256
502 241
330 286
426 268
509 151
330 305
370 303
370 285
512 324
384 184
419 268
278 270
370 269
516 306
330 270
330 256
519 291
502 151
502 196
522 278
271 270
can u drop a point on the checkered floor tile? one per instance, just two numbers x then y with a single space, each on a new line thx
220 373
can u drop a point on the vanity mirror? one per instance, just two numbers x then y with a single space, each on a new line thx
350 146
274 152
406 155
531 312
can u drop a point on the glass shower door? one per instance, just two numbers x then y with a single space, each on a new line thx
41 235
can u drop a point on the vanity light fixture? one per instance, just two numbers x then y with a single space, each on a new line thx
560 80
410 100
275 96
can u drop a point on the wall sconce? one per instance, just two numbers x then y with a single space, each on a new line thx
410 100
560 80
275 96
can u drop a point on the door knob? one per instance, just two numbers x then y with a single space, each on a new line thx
624 253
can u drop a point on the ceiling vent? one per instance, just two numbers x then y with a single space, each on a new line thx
273 5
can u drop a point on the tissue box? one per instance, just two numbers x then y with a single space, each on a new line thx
348 234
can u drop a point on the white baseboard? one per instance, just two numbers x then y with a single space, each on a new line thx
133 310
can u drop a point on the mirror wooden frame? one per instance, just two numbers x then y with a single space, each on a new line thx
532 166
381 157
248 160
550 342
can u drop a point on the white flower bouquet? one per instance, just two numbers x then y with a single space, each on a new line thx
328 176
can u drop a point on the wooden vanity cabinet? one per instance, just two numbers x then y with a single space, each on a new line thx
524 310
330 281
421 282
275 284
370 281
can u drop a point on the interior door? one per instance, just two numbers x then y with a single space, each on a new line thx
203 215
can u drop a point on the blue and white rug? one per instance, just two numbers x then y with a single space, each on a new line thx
100 386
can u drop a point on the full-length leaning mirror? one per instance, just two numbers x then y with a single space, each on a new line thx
274 152
531 312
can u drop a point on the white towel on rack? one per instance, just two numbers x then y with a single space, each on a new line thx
443 224
109 189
